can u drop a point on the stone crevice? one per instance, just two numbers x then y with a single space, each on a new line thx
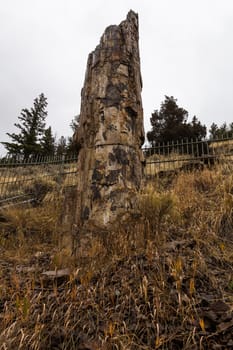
110 132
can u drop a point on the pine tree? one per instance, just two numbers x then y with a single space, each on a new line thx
170 124
213 131
48 143
72 147
61 146
222 131
197 131
31 125
74 123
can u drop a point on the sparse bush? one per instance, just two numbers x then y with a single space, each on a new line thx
39 188
156 208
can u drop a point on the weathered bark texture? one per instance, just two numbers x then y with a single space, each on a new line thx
110 132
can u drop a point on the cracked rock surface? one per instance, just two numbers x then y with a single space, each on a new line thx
110 132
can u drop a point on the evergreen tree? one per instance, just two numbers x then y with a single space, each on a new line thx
74 123
213 131
196 129
67 146
48 143
170 124
72 147
222 131
31 125
61 146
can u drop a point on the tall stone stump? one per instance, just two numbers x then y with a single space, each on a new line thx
110 132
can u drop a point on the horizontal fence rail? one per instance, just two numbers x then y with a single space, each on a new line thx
29 180
186 154
26 181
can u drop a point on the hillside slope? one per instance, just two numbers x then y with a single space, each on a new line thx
164 282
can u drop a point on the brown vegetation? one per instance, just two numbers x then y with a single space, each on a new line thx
164 282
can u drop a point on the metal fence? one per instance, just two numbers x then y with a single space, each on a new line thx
30 180
163 158
26 181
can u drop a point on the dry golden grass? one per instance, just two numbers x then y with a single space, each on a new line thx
222 146
163 282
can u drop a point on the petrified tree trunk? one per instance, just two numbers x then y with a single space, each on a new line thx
110 132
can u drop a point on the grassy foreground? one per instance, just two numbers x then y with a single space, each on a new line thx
164 282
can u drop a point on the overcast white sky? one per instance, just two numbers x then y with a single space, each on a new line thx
186 51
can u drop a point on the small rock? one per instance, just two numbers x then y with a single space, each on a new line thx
57 273
224 326
220 306
38 254
25 269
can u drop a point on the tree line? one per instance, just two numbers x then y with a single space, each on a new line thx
34 139
169 123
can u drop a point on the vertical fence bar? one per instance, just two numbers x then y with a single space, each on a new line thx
197 149
168 155
2 178
7 182
173 155
192 149
164 156
202 152
187 150
182 147
177 156
228 147
151 158
207 153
